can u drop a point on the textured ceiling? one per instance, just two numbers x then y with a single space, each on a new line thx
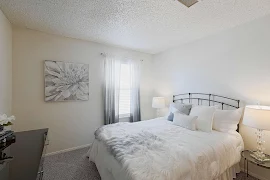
149 26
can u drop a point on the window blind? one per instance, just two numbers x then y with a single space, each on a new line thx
124 99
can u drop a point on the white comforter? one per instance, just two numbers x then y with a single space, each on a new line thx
181 153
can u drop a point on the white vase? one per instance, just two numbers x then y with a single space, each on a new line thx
8 128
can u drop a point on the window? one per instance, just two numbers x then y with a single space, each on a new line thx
125 91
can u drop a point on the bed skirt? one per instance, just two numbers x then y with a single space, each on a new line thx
230 173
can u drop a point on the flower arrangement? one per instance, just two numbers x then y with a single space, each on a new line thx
5 120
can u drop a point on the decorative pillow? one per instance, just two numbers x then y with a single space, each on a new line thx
178 107
170 116
188 122
227 120
205 117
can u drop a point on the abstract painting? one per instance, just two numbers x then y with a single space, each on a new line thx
66 81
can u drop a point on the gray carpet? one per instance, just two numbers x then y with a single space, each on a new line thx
74 165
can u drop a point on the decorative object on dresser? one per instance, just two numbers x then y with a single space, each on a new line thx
5 136
258 117
66 81
158 103
22 159
5 122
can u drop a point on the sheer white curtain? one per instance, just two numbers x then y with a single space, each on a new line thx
111 89
135 110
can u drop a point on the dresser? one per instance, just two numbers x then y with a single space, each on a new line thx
26 156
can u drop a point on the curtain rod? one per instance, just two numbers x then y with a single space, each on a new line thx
104 54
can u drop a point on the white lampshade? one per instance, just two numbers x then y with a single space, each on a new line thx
257 117
158 102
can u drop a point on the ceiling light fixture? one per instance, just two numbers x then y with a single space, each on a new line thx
188 3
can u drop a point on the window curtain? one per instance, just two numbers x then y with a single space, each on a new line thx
135 110
111 89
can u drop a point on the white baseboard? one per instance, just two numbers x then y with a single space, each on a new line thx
67 150
254 175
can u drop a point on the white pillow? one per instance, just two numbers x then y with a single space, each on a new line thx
205 117
188 122
227 120
172 108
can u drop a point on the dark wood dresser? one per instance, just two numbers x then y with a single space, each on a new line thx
27 156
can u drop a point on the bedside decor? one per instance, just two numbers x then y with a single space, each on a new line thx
258 117
158 103
6 122
66 81
247 155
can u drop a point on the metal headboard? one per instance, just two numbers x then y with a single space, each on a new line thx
209 98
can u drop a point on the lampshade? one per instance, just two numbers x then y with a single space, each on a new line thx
257 117
158 102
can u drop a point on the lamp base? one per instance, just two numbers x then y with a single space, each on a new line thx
158 113
260 156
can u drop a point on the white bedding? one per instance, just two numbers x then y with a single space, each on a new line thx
188 155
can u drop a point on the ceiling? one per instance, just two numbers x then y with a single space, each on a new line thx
150 26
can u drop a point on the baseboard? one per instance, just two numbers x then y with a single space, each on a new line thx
254 175
67 150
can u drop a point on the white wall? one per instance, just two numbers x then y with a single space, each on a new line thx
71 124
5 64
234 63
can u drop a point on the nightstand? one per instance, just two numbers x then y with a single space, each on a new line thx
246 155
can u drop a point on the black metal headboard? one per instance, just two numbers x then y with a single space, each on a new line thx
209 99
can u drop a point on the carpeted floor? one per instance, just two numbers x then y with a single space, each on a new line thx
74 165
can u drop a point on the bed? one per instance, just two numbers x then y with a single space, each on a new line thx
157 149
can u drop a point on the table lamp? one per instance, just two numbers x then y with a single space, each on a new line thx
258 117
158 103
